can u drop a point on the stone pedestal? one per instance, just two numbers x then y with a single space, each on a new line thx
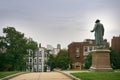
101 60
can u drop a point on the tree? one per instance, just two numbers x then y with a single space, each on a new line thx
51 62
88 61
114 60
62 60
15 46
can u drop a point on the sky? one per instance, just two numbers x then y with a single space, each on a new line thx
60 21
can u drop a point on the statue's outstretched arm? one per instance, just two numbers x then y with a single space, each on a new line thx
94 28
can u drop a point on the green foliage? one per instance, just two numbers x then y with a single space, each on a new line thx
62 60
98 75
14 48
51 62
114 60
88 61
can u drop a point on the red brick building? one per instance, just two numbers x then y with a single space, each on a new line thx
79 50
115 44
75 51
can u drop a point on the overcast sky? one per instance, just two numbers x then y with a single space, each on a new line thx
60 21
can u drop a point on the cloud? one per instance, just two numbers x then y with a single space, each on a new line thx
60 21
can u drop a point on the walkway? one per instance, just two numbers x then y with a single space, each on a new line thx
42 76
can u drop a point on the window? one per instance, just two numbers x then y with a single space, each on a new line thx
90 48
31 52
35 60
40 54
85 49
39 60
30 60
77 52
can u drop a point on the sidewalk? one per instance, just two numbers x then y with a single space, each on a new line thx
42 76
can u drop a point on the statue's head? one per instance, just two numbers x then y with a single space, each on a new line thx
97 21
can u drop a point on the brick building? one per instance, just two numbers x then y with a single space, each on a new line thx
79 50
75 51
115 44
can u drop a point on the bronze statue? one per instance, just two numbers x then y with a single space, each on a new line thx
99 33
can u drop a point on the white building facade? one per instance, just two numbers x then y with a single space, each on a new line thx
38 61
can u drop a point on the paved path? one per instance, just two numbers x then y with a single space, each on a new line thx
42 76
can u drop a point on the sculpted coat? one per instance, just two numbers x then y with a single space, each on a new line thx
99 33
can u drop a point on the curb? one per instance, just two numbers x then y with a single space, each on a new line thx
69 75
11 76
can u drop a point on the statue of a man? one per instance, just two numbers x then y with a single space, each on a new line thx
99 33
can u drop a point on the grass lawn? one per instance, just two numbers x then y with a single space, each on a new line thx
4 74
97 75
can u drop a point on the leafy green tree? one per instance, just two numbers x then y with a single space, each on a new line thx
14 46
88 61
114 60
62 60
51 61
3 61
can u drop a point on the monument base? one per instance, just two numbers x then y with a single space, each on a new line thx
101 60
